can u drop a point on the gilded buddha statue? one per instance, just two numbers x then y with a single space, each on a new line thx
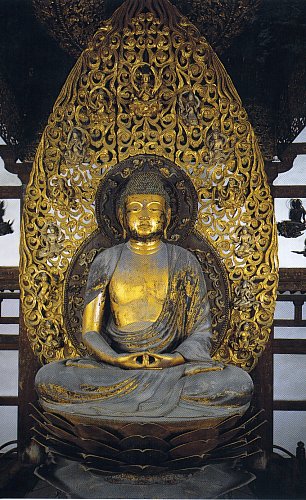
147 325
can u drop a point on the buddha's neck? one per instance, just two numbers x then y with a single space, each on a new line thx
144 247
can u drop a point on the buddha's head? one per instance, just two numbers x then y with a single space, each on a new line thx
144 211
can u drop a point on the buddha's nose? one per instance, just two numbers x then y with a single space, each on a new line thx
144 216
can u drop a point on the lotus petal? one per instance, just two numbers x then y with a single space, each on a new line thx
144 442
194 448
143 457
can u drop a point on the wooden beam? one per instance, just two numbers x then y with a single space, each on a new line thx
289 322
262 377
292 279
8 400
10 157
9 320
289 346
297 298
289 191
9 295
10 192
9 278
9 342
282 405
273 168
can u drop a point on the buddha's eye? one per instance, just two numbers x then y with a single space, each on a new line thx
155 208
134 208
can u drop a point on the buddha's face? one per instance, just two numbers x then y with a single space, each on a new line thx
146 216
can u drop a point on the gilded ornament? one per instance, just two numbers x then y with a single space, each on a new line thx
61 193
244 242
87 258
230 195
73 23
52 238
49 330
75 149
245 295
143 100
189 105
216 143
45 293
246 338
101 106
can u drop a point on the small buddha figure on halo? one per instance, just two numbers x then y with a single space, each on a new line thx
231 195
51 241
189 105
244 242
147 325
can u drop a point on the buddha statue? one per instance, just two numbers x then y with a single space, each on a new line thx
147 326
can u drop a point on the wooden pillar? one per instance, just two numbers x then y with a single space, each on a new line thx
28 366
263 397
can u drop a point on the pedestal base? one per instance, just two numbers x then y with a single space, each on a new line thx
212 481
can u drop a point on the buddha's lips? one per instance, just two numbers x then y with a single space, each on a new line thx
145 224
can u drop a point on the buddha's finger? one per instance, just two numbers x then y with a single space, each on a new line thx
146 360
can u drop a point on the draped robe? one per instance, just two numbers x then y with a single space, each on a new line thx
196 389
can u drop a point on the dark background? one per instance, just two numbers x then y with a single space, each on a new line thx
261 43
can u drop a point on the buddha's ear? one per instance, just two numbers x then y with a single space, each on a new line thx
168 219
121 220
120 215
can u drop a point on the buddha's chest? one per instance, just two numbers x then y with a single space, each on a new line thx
140 278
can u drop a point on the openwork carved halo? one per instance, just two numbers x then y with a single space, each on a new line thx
186 110
181 191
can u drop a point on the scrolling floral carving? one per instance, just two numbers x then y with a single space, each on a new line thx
179 60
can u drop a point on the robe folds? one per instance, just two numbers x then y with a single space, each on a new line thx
198 388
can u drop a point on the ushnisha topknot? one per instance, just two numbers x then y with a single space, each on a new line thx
144 183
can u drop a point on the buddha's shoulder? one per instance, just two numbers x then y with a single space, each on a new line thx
182 253
107 254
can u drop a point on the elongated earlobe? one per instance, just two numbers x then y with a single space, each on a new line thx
120 217
167 223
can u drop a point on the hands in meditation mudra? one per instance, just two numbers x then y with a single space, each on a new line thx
147 324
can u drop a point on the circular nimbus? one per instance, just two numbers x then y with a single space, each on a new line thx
181 191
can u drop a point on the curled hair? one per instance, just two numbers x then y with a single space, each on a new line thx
144 183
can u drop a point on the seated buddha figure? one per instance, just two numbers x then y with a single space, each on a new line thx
147 326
